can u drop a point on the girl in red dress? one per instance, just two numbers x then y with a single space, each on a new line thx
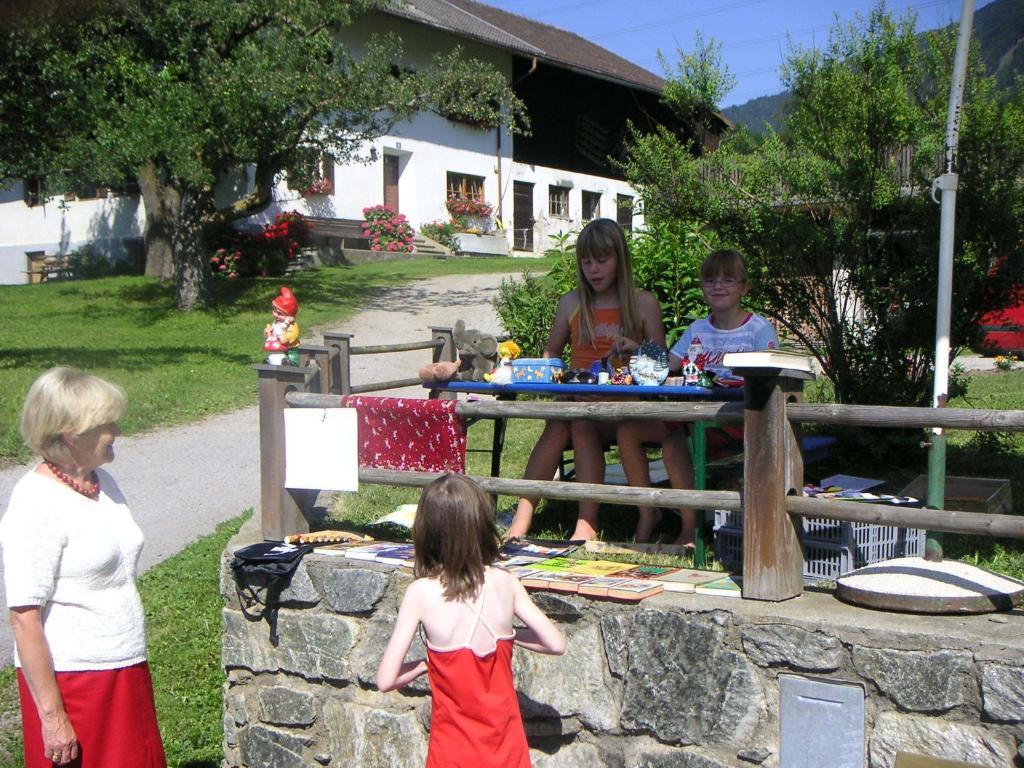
465 606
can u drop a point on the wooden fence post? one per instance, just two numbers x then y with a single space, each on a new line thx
341 365
281 511
772 469
446 353
320 358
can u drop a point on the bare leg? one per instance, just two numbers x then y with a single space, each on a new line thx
676 455
631 435
541 465
589 459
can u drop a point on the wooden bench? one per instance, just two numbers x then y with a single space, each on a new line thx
43 267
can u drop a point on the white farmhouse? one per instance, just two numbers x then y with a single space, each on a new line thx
578 95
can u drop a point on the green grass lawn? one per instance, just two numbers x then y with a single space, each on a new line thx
178 367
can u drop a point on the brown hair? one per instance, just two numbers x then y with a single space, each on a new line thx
724 263
454 535
606 236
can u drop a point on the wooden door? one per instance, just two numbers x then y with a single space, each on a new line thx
522 216
391 182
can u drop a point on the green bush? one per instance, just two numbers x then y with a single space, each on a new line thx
666 261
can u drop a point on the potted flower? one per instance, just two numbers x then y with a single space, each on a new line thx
470 215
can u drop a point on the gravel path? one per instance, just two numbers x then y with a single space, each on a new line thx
183 481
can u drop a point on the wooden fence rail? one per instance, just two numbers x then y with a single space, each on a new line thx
772 414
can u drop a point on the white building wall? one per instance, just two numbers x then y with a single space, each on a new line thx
428 147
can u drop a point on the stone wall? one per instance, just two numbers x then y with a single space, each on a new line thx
687 681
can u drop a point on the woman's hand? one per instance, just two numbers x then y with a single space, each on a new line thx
59 741
623 347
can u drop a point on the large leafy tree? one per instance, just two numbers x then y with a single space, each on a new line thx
836 217
207 102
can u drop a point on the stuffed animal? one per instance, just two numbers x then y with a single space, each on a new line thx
478 352
443 371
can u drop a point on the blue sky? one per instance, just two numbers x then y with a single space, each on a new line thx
753 33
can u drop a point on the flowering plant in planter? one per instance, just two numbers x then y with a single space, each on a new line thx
464 206
387 230
320 187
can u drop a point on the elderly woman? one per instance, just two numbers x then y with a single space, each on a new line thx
70 550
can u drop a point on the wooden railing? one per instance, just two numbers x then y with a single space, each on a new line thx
772 414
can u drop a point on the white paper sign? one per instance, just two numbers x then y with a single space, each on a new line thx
321 449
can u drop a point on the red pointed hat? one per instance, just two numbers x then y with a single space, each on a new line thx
286 302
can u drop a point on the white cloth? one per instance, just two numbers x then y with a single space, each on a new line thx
755 333
77 559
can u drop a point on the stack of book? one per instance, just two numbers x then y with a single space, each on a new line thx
545 566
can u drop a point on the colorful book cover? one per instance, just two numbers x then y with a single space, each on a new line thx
334 550
538 579
585 567
518 560
727 586
397 554
568 582
684 580
646 571
635 589
368 551
538 548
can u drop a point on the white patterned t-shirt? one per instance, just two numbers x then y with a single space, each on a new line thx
755 333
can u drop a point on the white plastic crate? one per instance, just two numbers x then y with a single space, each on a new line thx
858 545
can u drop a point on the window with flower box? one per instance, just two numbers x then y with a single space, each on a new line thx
558 202
465 187
316 178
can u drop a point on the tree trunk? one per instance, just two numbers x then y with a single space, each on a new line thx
162 203
192 278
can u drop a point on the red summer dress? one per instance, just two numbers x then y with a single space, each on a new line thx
475 720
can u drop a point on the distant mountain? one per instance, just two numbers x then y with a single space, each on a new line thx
998 28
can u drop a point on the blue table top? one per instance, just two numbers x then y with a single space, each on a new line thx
598 390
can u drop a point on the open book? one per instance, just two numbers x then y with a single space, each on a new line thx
773 358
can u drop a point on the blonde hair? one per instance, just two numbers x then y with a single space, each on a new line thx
724 263
66 400
454 535
606 236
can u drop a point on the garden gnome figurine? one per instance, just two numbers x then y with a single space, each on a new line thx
283 334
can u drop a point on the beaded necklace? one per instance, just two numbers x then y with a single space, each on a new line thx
91 490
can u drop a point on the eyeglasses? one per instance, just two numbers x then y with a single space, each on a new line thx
725 282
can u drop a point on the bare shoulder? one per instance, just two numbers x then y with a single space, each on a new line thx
569 301
647 301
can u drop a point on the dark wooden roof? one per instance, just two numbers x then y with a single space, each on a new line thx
526 37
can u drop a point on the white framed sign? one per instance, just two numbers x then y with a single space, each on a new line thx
321 449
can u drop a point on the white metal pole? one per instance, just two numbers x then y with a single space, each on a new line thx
947 184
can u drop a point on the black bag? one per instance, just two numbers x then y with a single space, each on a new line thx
265 567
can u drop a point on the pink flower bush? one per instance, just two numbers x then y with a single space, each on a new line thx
225 263
387 230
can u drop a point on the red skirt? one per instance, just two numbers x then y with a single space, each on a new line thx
113 714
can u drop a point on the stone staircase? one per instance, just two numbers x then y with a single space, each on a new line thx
424 246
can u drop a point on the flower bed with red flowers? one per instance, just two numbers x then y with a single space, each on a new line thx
464 206
387 230
264 254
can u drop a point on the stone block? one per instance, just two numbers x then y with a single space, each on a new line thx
261 747
677 758
558 607
365 656
918 681
936 737
1002 692
684 685
771 645
363 737
300 589
286 706
615 630
575 755
311 645
574 684
354 590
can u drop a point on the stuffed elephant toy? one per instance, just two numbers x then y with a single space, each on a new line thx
477 351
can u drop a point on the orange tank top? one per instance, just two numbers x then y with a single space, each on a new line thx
607 328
